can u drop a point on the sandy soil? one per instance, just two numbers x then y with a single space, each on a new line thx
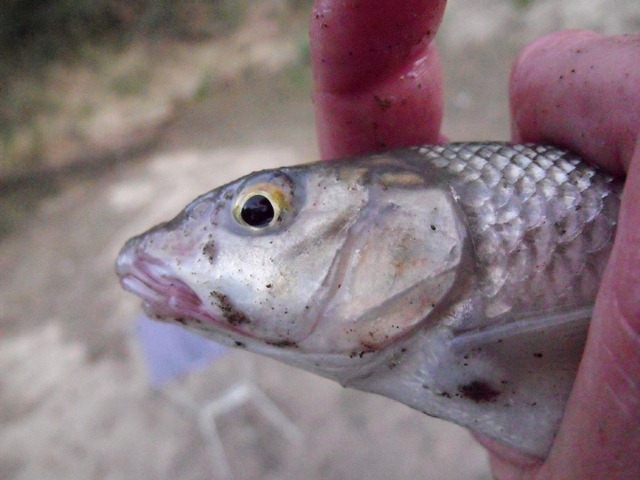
75 399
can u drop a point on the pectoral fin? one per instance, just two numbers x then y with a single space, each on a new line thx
547 325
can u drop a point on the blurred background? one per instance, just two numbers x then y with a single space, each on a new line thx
113 115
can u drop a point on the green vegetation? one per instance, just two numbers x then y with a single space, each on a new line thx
132 83
35 31
522 4
81 77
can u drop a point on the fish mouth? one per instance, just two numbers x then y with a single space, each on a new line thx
164 296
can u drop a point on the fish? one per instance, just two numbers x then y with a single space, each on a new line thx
458 279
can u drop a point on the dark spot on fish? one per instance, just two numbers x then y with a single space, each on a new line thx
433 227
219 206
538 355
181 320
268 285
228 195
445 394
240 344
209 250
360 353
283 344
231 315
478 391
237 318
395 360
383 103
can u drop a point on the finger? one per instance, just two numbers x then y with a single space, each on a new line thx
377 77
504 470
580 90
507 463
600 433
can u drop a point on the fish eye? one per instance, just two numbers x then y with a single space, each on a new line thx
260 206
257 211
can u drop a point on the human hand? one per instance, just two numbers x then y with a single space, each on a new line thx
581 91
376 74
377 85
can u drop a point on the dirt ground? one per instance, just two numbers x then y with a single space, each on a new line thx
75 398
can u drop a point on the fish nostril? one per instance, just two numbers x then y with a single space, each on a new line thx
196 209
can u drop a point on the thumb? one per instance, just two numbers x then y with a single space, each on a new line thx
600 433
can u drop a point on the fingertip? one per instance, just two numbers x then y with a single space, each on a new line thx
401 109
548 46
376 73
527 77
625 258
578 89
505 454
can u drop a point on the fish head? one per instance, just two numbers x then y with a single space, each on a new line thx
334 259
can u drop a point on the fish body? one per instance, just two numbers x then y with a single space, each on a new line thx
457 279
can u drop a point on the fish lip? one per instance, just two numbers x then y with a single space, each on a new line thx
164 296
167 298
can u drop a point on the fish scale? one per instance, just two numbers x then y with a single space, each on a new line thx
509 192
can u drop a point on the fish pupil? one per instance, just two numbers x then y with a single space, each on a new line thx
257 211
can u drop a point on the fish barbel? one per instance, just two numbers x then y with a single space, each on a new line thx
458 279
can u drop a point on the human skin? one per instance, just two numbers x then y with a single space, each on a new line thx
377 85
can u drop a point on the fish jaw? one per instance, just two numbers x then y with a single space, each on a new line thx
165 296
